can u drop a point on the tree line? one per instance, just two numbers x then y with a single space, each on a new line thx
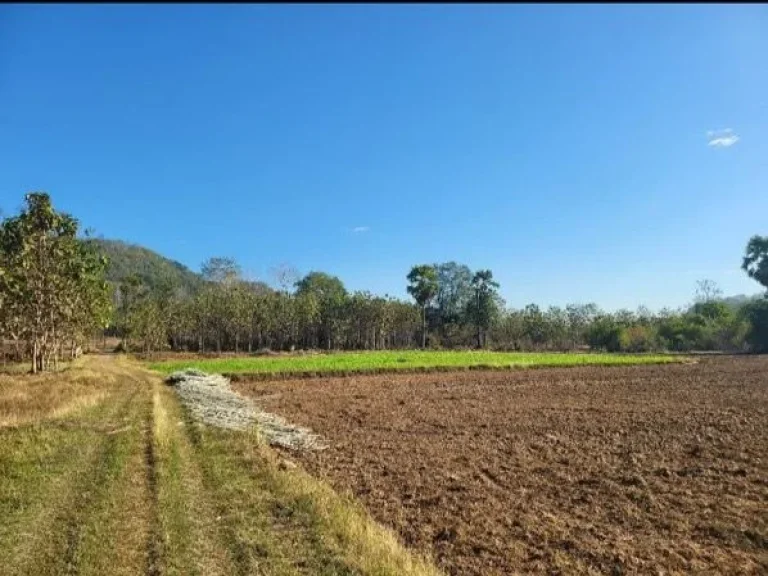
453 307
53 297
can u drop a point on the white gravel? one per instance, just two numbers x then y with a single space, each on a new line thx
210 399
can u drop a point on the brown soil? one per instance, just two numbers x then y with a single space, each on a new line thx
643 469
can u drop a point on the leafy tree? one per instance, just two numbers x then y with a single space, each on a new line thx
606 333
130 292
510 331
579 318
755 262
483 306
756 314
712 310
148 325
637 338
556 319
454 291
683 332
51 284
423 286
331 295
535 325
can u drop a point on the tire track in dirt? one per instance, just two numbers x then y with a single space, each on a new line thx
155 538
238 550
98 477
72 501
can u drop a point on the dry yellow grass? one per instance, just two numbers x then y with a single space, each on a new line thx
103 472
72 491
366 545
26 398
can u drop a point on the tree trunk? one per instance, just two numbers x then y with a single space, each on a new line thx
34 357
424 326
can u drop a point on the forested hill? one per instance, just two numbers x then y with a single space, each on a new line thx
127 259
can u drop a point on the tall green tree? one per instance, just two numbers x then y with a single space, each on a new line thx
483 306
755 262
130 291
52 284
756 314
331 295
454 291
423 286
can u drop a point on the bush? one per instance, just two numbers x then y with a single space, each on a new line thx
606 334
756 314
683 333
731 335
638 339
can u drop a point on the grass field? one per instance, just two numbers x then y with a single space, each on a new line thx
393 360
102 471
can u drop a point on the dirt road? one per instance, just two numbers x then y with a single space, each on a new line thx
102 472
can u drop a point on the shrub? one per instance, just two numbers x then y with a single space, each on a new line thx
683 333
638 339
606 334
756 314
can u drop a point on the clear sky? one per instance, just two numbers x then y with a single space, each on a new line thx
613 154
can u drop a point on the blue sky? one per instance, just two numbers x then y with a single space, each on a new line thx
579 152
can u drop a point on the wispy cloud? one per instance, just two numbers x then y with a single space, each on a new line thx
360 229
722 138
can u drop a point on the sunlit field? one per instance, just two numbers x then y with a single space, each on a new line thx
393 360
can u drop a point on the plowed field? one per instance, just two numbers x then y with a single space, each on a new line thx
642 469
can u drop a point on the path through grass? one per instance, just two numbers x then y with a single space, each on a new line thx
110 475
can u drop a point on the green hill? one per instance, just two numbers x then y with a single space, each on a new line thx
126 259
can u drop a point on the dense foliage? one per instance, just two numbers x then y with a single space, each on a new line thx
52 291
53 294
463 309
